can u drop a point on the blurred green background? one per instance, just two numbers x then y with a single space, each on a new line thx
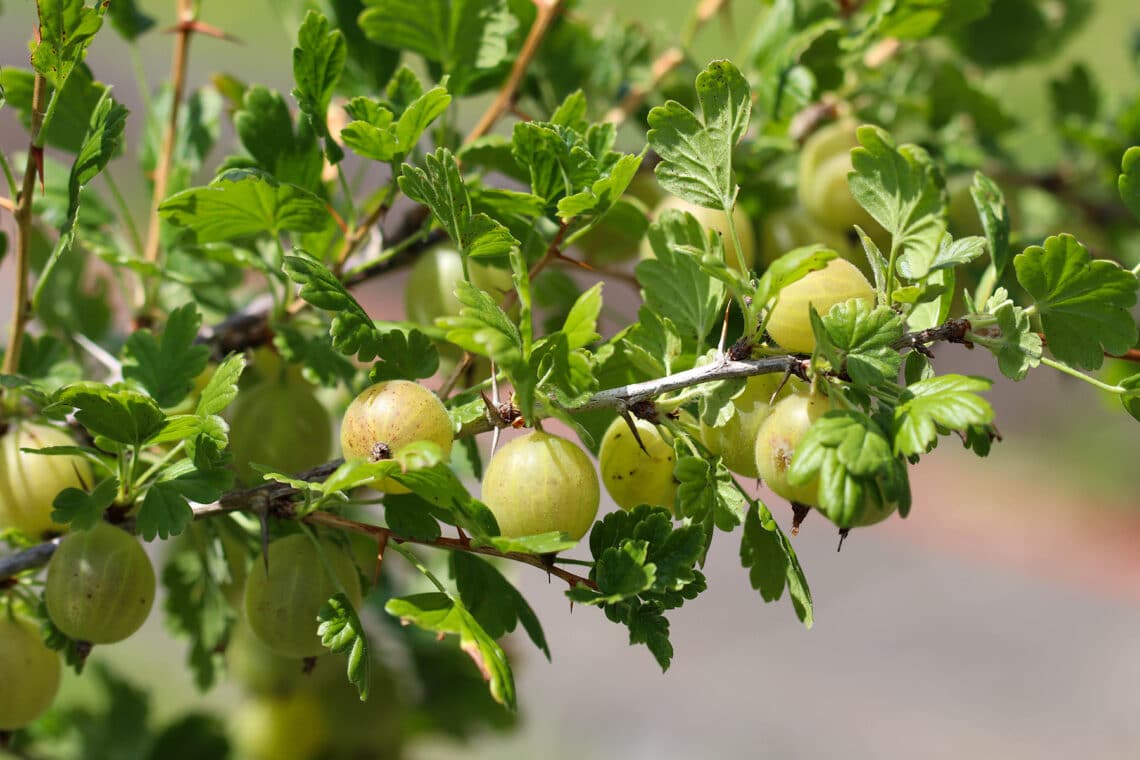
998 621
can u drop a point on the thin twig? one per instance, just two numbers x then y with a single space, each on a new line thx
331 520
21 309
504 99
184 31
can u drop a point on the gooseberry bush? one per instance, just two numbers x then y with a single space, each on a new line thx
801 226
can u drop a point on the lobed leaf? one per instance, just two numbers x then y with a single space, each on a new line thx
946 402
902 189
341 632
1083 303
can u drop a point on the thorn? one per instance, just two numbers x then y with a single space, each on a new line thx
723 332
633 429
198 27
799 512
843 533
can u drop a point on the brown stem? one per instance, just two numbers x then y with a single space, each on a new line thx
184 31
331 520
547 12
22 212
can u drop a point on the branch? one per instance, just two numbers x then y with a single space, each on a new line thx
547 12
22 211
185 29
277 499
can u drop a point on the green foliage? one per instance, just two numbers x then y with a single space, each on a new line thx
141 328
1084 304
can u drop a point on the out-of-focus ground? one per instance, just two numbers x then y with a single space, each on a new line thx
1001 619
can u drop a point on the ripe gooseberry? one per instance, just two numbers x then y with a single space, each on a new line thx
279 423
281 605
735 440
539 483
29 671
776 443
390 415
717 221
29 483
635 476
789 324
100 585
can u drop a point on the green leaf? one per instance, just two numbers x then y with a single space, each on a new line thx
902 189
128 20
408 355
1018 347
444 614
67 28
673 283
772 562
100 143
468 38
440 487
243 202
706 489
381 139
696 152
353 331
946 402
641 553
341 632
593 203
1129 182
122 415
956 252
407 517
994 213
440 187
581 325
540 543
167 368
919 19
559 161
222 387
1084 304
318 60
852 458
1131 398
264 125
859 338
482 327
493 600
196 606
166 510
789 268
82 510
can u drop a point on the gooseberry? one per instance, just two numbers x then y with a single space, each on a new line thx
790 321
29 483
100 585
281 605
635 476
539 483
